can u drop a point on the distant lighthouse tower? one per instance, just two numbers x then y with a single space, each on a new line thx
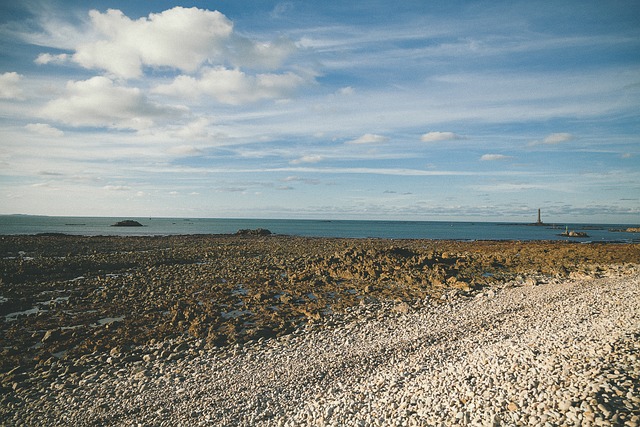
539 219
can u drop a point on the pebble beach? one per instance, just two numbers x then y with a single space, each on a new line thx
282 331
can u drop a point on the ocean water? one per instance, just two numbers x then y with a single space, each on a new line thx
438 230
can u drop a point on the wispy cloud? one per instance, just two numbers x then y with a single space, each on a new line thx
557 138
439 136
233 86
369 138
294 178
554 139
44 129
494 157
185 150
307 159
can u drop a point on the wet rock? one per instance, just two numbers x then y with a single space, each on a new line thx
187 286
127 223
51 335
255 232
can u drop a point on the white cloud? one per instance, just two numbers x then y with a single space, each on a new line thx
493 157
10 86
347 91
47 58
369 138
180 38
557 138
246 52
307 159
44 129
232 86
98 102
281 9
553 139
198 129
439 136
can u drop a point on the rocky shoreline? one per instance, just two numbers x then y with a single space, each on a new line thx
84 312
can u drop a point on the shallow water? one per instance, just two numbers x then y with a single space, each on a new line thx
439 230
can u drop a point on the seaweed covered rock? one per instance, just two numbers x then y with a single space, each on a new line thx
256 232
127 223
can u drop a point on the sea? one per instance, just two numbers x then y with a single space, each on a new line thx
436 230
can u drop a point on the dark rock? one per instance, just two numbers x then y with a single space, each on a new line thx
51 335
256 232
127 223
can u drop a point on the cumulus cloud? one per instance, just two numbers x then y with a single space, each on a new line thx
369 138
180 38
10 86
99 102
44 129
233 86
493 157
439 136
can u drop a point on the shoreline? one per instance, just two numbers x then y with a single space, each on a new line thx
564 352
135 300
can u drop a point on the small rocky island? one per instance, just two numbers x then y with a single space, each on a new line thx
572 233
127 223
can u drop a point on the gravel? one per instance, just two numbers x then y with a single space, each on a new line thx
558 353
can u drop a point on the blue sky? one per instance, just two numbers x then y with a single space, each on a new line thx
416 110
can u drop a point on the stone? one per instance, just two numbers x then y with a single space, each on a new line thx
51 335
402 308
564 405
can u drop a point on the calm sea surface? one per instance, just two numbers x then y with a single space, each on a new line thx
88 226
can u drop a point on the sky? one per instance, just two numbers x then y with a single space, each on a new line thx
410 110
